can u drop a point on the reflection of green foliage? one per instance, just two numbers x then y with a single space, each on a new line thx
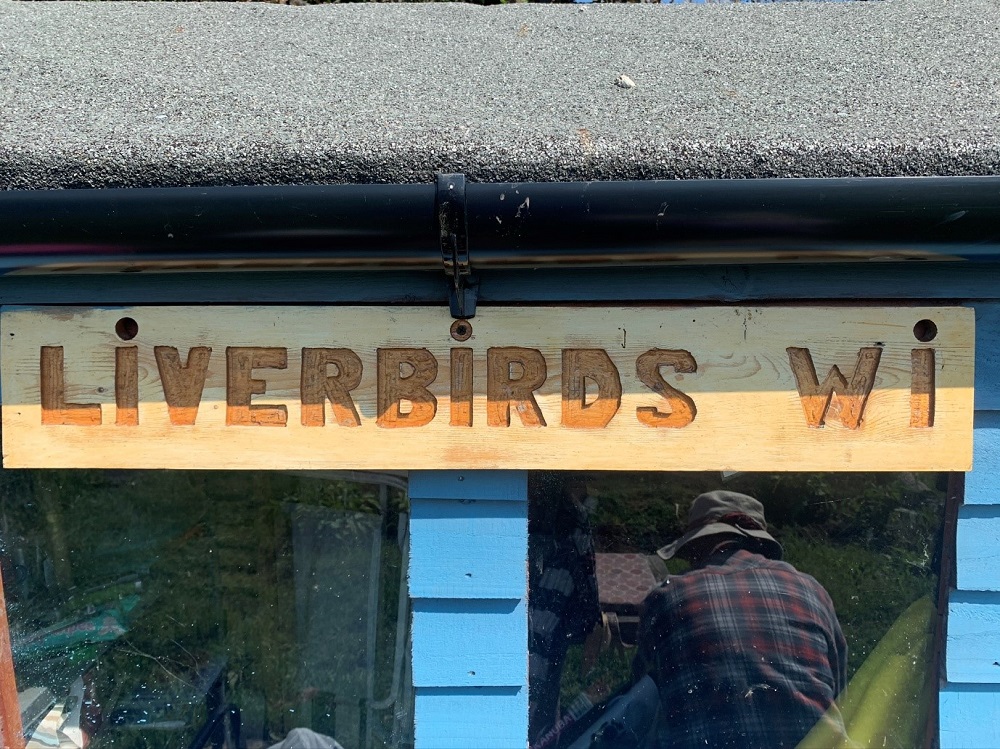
869 589
639 511
854 508
212 554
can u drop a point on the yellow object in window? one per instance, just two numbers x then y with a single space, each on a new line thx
888 700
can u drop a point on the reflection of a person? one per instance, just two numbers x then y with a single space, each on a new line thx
563 605
746 651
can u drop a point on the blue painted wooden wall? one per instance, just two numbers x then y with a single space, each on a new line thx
970 696
469 585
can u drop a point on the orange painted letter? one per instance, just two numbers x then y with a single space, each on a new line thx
127 386
578 366
396 384
682 408
183 384
461 387
846 398
506 388
922 387
240 385
55 409
316 386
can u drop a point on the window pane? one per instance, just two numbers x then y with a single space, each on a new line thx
141 603
872 541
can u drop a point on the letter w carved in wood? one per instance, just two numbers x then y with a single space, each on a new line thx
847 398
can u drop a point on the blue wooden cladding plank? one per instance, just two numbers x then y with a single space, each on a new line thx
469 643
988 355
970 716
470 718
471 549
468 578
977 548
982 483
495 485
973 649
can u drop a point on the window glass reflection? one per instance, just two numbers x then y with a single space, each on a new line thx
733 610
164 609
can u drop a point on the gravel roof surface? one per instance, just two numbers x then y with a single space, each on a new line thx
123 94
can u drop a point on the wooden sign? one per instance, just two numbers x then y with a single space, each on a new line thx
628 388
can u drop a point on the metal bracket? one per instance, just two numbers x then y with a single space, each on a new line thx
454 226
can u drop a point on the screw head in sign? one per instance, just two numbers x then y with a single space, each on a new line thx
461 330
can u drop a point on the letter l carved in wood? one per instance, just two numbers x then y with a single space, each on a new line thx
55 409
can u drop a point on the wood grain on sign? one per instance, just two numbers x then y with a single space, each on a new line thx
638 388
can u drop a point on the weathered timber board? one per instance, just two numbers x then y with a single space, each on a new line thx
639 388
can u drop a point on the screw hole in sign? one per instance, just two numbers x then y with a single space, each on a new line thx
925 331
127 328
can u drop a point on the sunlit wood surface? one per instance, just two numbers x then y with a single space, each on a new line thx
640 388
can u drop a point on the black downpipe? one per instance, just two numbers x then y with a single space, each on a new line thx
509 225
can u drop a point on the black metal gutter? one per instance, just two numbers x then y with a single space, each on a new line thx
508 225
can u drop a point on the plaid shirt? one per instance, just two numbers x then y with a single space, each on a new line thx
747 652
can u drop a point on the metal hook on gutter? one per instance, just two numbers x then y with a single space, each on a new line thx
453 224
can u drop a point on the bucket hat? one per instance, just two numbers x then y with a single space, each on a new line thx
729 513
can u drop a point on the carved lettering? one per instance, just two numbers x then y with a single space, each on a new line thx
396 385
55 409
240 386
127 386
317 386
922 387
846 399
512 375
183 384
461 387
578 366
682 407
